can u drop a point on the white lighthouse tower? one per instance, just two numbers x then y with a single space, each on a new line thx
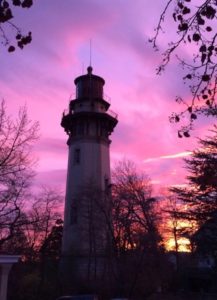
89 123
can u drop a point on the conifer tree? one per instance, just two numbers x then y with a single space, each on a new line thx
199 197
201 193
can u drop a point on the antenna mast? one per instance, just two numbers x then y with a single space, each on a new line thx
90 53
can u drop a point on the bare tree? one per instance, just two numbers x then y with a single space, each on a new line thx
38 241
16 162
45 211
196 29
135 223
174 229
134 211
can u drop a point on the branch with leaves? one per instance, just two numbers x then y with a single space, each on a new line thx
8 28
196 28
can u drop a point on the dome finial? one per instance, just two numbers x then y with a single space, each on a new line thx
89 70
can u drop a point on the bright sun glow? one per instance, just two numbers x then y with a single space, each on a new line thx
184 245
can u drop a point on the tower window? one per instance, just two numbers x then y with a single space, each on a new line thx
80 129
77 156
106 182
87 128
73 213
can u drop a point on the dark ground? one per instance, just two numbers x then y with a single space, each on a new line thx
183 296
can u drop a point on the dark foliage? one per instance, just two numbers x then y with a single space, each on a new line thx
51 247
205 239
201 192
200 195
36 276
11 35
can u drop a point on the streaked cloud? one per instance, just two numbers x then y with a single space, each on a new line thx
171 156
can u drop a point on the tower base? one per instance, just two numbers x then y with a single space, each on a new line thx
81 275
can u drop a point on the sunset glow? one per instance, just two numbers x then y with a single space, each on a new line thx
107 149
184 245
41 77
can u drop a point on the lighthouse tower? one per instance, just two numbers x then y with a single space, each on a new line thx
88 124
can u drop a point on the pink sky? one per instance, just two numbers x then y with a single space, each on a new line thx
42 77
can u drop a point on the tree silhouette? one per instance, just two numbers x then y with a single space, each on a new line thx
51 247
134 216
200 195
205 238
16 140
135 221
196 29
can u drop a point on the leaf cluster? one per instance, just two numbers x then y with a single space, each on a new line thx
196 29
6 24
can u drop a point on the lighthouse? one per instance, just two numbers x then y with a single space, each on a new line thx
88 124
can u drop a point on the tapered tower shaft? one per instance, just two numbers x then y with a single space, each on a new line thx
89 124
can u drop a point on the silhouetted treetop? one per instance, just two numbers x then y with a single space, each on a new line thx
196 29
200 193
16 140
